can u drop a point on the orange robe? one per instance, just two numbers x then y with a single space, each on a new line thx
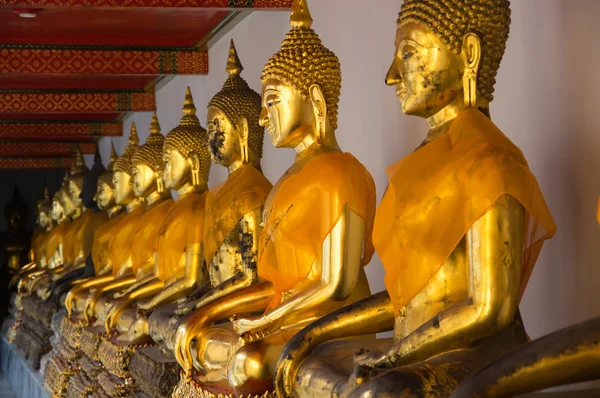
244 190
303 210
439 191
81 234
38 239
102 239
145 237
182 226
120 245
56 237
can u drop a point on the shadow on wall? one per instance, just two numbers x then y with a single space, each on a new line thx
31 185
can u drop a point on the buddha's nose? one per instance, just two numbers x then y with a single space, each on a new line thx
393 76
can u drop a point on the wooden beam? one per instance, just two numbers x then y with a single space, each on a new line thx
102 60
44 149
34 163
34 101
58 130
228 4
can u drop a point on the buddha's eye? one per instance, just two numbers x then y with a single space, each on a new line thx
272 103
408 55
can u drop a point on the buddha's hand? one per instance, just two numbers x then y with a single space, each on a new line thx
367 365
145 306
182 350
185 307
114 313
69 301
249 325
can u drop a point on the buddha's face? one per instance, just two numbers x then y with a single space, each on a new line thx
75 191
123 188
105 196
287 116
69 207
178 170
427 76
43 219
144 179
223 138
57 210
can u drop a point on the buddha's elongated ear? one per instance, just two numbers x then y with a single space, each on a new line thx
194 160
320 108
472 59
242 128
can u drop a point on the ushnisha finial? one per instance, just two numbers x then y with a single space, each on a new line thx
189 108
133 135
234 65
113 154
154 125
300 16
78 165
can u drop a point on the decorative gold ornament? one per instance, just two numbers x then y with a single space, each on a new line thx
107 176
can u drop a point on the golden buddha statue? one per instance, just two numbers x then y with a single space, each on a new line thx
316 235
137 173
231 223
148 166
458 231
103 237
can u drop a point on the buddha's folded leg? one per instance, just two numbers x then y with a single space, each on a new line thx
327 371
159 322
213 349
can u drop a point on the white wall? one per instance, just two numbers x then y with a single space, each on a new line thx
545 102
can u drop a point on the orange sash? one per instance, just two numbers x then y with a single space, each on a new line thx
438 192
303 211
102 238
120 245
182 225
145 237
38 239
243 191
56 237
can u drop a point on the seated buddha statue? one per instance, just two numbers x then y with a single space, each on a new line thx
234 207
458 231
231 222
15 244
180 260
83 188
44 224
136 172
147 167
316 235
55 242
103 237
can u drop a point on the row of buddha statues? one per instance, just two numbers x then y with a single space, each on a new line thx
257 290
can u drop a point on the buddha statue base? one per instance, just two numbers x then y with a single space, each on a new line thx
90 340
155 372
116 356
60 367
71 330
116 387
84 383
192 389
32 340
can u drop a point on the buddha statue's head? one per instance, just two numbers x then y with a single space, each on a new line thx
59 213
234 132
301 85
77 176
185 153
123 170
68 206
44 210
147 163
448 52
15 212
105 189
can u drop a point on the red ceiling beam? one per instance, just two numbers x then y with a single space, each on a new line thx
15 101
34 163
57 130
48 149
96 60
230 4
